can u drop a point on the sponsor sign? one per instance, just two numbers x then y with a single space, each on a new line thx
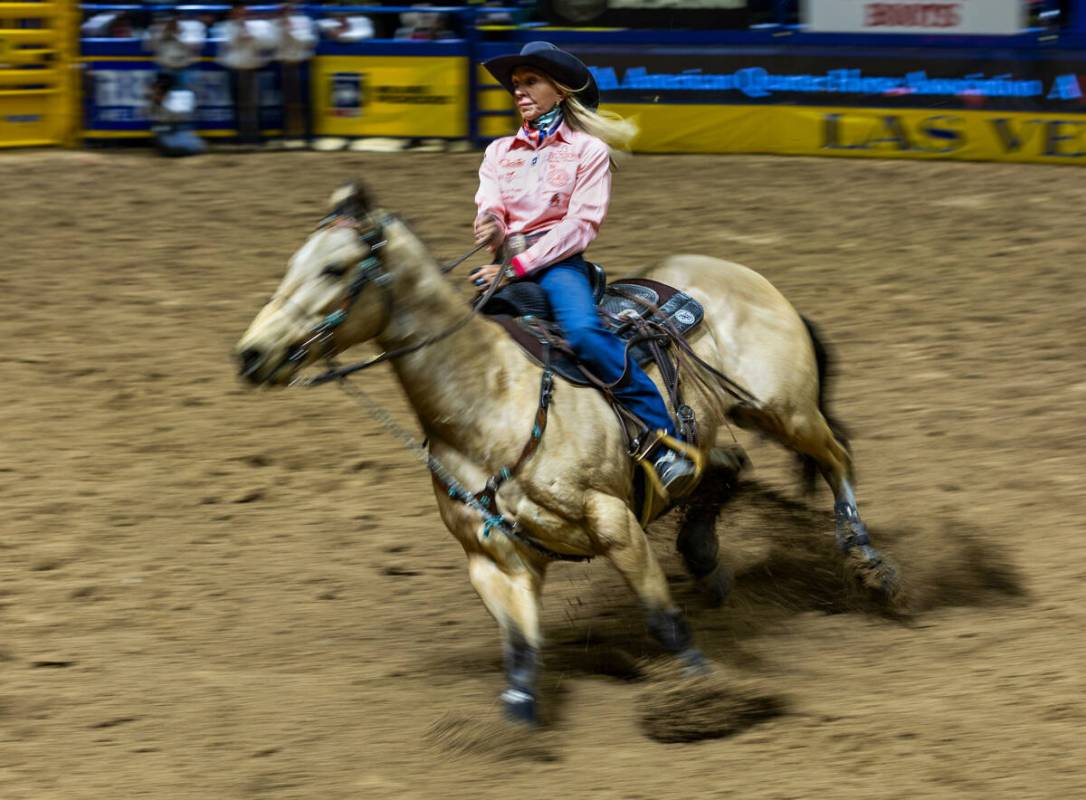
901 104
346 94
407 96
861 132
912 79
987 17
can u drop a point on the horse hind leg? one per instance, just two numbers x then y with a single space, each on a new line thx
812 438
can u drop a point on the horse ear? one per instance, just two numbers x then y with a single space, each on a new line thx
353 199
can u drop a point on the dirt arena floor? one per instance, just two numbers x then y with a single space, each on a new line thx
211 592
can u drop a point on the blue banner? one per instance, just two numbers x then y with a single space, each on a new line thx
1052 82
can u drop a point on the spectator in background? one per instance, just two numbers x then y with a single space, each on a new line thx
177 45
109 25
129 22
424 25
345 28
296 37
173 112
247 46
97 25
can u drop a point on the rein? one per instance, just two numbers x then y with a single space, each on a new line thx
447 268
482 503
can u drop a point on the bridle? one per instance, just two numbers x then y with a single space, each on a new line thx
370 270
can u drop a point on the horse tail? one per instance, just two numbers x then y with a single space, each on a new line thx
826 373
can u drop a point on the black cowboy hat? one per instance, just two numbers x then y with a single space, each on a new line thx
564 67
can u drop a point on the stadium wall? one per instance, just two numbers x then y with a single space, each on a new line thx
1018 98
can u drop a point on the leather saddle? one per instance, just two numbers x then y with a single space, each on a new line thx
522 309
629 307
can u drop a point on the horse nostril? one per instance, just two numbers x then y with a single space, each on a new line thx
249 360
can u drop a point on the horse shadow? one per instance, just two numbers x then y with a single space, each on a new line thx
942 561
784 562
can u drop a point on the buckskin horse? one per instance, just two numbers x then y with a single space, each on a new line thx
363 275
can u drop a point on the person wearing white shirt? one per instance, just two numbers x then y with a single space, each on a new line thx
296 39
247 45
176 45
339 27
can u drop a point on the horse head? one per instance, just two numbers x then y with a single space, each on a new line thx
334 295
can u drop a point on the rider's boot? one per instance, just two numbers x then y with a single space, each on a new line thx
676 466
678 474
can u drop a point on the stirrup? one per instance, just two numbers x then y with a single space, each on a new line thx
657 497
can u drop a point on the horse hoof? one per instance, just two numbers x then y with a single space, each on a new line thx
877 575
519 706
716 586
851 536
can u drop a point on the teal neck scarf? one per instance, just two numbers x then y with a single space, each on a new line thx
548 122
543 126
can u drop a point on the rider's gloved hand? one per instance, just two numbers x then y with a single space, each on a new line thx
489 232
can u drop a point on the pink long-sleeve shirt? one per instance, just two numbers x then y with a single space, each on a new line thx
562 187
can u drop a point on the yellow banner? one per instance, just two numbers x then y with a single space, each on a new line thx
39 89
390 96
860 132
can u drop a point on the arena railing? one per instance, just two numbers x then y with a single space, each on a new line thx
481 33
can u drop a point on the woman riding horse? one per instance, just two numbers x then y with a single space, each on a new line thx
364 275
551 183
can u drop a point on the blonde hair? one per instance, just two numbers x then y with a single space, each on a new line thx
613 130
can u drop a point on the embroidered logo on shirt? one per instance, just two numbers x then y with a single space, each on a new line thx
557 177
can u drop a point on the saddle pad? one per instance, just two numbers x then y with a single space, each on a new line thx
680 309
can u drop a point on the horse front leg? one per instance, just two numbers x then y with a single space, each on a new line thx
626 546
512 596
511 588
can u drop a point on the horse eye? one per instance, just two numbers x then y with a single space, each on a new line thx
335 270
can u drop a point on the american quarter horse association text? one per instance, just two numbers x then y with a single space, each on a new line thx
363 275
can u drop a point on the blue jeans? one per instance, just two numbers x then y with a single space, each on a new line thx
570 295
